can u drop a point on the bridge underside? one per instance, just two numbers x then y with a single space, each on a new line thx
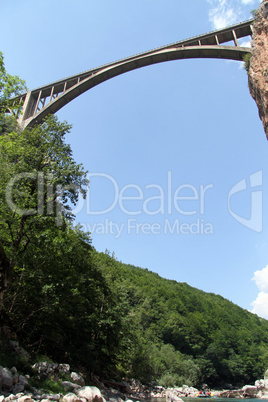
39 103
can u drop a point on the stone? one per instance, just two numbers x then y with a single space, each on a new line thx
97 382
6 378
116 399
258 69
36 393
92 394
18 388
68 385
126 387
51 369
46 369
14 370
262 387
236 393
72 398
18 349
64 368
15 378
23 380
25 398
51 397
77 379
41 367
250 390
171 396
19 395
11 397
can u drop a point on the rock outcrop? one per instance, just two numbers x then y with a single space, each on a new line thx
259 390
258 70
15 387
176 394
172 397
262 387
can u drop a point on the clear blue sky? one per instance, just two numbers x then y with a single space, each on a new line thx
177 129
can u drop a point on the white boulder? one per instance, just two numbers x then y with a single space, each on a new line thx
250 390
10 398
51 397
25 398
171 396
71 397
91 394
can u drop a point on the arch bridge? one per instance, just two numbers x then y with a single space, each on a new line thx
48 99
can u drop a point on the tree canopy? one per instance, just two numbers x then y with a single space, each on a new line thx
10 86
39 180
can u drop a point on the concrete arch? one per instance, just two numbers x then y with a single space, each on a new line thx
114 69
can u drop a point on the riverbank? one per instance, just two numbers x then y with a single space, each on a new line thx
257 391
56 382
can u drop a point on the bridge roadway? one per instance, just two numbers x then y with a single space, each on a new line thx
48 99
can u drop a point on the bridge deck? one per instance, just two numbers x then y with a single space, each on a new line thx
50 98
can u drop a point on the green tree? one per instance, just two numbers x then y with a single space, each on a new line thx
10 86
39 180
60 303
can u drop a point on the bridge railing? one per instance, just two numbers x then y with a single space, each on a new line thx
40 98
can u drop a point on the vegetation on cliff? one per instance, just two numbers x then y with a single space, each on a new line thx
74 305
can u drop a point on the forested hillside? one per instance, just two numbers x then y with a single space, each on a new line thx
67 302
181 334
75 305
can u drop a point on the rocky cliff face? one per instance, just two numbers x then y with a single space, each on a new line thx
258 71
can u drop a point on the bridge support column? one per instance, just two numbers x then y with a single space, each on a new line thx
235 38
26 109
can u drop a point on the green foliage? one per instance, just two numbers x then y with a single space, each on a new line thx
10 86
247 58
253 13
61 304
169 380
37 168
183 335
48 385
38 181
